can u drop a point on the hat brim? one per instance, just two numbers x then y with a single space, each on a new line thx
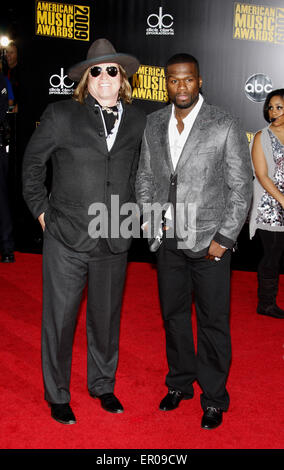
128 62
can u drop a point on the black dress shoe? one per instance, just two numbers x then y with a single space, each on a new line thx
62 413
171 400
212 418
110 403
8 258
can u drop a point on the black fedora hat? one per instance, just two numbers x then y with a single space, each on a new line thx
101 52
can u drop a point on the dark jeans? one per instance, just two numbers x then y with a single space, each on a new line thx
273 249
179 278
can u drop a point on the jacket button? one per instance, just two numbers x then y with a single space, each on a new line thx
108 183
101 133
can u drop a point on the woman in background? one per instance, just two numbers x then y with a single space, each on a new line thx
267 215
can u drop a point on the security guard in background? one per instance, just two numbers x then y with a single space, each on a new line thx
6 226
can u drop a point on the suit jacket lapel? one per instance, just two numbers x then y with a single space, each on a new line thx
163 135
96 123
123 123
124 127
195 135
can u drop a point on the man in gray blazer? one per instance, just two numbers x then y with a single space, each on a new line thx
93 142
195 164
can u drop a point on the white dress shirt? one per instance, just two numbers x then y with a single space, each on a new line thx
177 140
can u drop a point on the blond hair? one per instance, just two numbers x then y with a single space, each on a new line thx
125 91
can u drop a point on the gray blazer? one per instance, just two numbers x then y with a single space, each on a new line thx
214 175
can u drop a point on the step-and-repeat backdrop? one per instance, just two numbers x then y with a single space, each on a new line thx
239 45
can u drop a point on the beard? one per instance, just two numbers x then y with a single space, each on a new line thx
186 104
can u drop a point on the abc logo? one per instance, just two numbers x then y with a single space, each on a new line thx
257 87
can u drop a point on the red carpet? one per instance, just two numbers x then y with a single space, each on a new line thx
255 417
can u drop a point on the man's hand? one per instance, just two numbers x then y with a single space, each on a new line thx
41 221
215 251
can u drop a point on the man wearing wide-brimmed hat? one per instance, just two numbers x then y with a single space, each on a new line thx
93 142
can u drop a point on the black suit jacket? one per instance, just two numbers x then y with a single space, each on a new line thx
84 172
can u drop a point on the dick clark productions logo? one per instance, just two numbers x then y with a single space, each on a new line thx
60 84
160 24
257 87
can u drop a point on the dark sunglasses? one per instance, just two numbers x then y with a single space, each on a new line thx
111 70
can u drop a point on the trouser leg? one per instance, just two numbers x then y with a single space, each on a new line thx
211 281
175 296
6 224
268 273
64 278
273 248
105 292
